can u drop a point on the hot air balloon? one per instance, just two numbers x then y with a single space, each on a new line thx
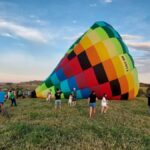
97 61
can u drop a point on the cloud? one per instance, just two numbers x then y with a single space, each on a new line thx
33 16
72 38
141 55
144 77
19 66
141 63
93 5
100 1
7 35
14 77
108 1
105 2
74 21
134 41
16 30
131 37
139 45
143 66
40 22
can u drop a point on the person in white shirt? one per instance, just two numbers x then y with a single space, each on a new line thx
8 95
49 96
104 104
70 100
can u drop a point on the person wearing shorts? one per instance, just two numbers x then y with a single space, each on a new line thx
92 104
49 96
1 107
148 100
70 100
104 104
58 99
74 93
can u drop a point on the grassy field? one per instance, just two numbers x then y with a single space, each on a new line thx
35 124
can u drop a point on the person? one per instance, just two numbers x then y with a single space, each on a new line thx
74 93
70 100
15 93
20 93
148 98
149 103
23 95
58 99
104 104
49 96
29 93
12 97
2 97
92 104
8 95
1 107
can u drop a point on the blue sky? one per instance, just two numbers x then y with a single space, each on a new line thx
35 34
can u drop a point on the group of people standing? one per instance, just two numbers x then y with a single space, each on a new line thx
92 104
11 95
72 101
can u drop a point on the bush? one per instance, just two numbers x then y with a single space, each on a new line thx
141 92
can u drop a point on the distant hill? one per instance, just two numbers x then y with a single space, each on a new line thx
35 82
144 85
30 85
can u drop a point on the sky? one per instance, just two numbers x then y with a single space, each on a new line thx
35 34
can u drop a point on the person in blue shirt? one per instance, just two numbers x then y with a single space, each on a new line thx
2 97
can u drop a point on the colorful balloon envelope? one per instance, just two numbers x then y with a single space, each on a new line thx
98 61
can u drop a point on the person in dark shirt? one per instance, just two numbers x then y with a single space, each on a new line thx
13 99
148 98
92 104
58 99
74 93
149 104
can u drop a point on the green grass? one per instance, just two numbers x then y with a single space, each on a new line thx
35 124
